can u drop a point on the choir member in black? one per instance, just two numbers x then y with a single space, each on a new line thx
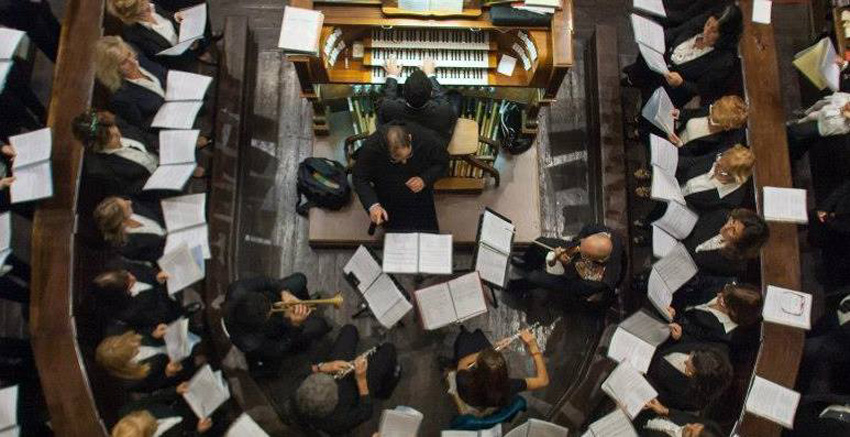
481 375
135 297
708 129
261 334
680 11
724 318
589 264
153 29
822 415
688 376
722 241
716 181
829 116
422 100
659 421
37 20
826 354
701 56
395 173
141 363
119 158
338 406
135 228
832 217
162 414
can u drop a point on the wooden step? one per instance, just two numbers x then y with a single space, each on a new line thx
460 185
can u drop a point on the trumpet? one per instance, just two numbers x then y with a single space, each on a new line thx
336 301
508 340
344 372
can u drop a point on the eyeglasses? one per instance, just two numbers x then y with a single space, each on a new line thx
718 169
792 303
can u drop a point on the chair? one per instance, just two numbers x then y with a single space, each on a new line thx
468 422
464 146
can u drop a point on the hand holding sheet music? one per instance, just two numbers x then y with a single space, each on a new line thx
207 391
635 340
664 154
182 268
193 22
648 33
184 86
629 389
668 275
665 187
678 220
659 111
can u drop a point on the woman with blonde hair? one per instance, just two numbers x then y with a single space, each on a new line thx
708 129
141 362
154 29
135 228
161 416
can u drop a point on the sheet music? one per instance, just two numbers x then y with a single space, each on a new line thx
435 254
31 147
400 422
662 242
435 306
32 182
184 86
414 5
5 230
468 296
648 33
177 49
383 298
395 313
629 348
785 205
453 6
5 68
176 115
182 268
299 31
654 60
206 392
179 342
245 426
678 220
496 232
772 401
491 265
664 154
665 187
629 389
14 431
194 22
506 65
9 41
828 68
401 253
170 177
761 11
659 110
654 7
185 211
676 268
787 307
659 295
177 146
194 236
364 268
614 424
648 328
9 406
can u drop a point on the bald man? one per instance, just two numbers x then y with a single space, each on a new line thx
585 266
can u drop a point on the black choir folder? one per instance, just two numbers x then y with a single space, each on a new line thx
381 292
493 251
449 302
418 253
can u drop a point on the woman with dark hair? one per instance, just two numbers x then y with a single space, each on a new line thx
717 319
680 11
688 376
701 56
659 421
722 241
481 376
136 229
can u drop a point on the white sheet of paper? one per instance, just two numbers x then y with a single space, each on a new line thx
435 254
14 431
678 220
506 65
453 6
491 265
245 426
32 182
185 211
761 11
648 33
5 68
382 297
9 406
177 146
206 392
676 268
772 401
542 428
170 177
194 22
31 147
299 30
659 294
654 60
614 424
9 41
828 68
627 347
177 49
468 296
177 340
400 423
395 313
665 186
182 268
664 154
654 7
787 307
785 205
496 232
5 230
629 389
194 236
177 115
529 45
648 328
365 268
659 110
414 5
662 242
184 86
435 306
401 253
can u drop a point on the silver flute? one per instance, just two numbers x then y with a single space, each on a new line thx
510 340
344 372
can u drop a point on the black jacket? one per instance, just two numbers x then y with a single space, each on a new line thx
150 43
437 114
143 246
156 378
712 262
143 312
700 326
691 167
675 389
709 144
113 175
680 11
137 104
838 203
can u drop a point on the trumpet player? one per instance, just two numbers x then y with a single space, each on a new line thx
264 335
334 404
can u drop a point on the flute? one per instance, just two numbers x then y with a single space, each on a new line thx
344 372
508 340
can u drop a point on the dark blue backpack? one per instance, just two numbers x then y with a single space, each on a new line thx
324 182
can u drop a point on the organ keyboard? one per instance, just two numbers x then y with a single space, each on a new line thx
446 76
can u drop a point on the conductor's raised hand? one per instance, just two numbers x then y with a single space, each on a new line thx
429 67
378 214
416 184
392 66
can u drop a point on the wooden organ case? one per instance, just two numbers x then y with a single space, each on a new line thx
466 47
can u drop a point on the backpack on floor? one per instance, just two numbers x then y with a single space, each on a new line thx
324 183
